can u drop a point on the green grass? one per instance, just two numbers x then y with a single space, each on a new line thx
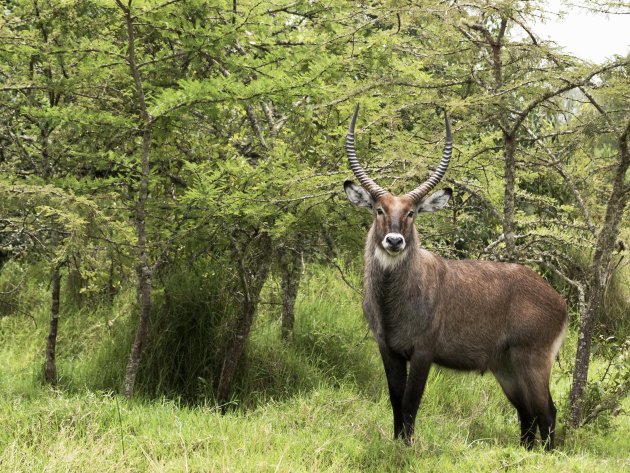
317 403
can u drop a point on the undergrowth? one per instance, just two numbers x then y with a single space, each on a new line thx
317 402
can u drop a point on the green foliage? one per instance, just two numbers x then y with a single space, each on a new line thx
187 341
611 384
15 299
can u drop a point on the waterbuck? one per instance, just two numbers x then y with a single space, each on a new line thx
461 314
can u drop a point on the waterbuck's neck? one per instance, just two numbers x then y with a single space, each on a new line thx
400 286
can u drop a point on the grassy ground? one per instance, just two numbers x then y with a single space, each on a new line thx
318 403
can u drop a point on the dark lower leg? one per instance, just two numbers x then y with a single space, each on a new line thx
547 424
418 374
528 428
396 372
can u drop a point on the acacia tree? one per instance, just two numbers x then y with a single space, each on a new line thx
612 123
70 75
520 85
143 268
36 95
588 153
262 158
528 88
39 226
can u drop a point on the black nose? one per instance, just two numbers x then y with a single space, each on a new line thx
394 241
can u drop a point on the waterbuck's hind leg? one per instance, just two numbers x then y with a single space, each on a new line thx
509 383
536 379
547 424
528 428
533 371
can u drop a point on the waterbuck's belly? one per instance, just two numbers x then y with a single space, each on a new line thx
464 361
464 358
468 355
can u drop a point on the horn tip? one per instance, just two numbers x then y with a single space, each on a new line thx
448 127
354 119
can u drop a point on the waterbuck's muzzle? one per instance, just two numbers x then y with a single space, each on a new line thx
394 243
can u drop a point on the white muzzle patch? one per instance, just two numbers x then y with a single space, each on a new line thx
394 243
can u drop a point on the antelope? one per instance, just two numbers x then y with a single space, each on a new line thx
461 314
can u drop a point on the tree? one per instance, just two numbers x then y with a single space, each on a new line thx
615 125
143 268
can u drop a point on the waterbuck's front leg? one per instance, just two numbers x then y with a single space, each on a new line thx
396 372
419 368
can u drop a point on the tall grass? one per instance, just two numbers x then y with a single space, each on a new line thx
315 403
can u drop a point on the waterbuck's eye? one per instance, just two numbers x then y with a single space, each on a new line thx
410 214
380 211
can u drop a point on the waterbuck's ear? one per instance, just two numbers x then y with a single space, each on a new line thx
435 201
358 195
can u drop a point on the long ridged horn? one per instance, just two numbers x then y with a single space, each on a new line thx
368 184
423 189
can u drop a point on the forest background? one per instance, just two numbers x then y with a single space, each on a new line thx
180 271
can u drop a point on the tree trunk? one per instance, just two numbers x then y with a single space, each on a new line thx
600 266
495 46
143 268
252 280
239 336
144 273
240 333
291 274
50 369
142 330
